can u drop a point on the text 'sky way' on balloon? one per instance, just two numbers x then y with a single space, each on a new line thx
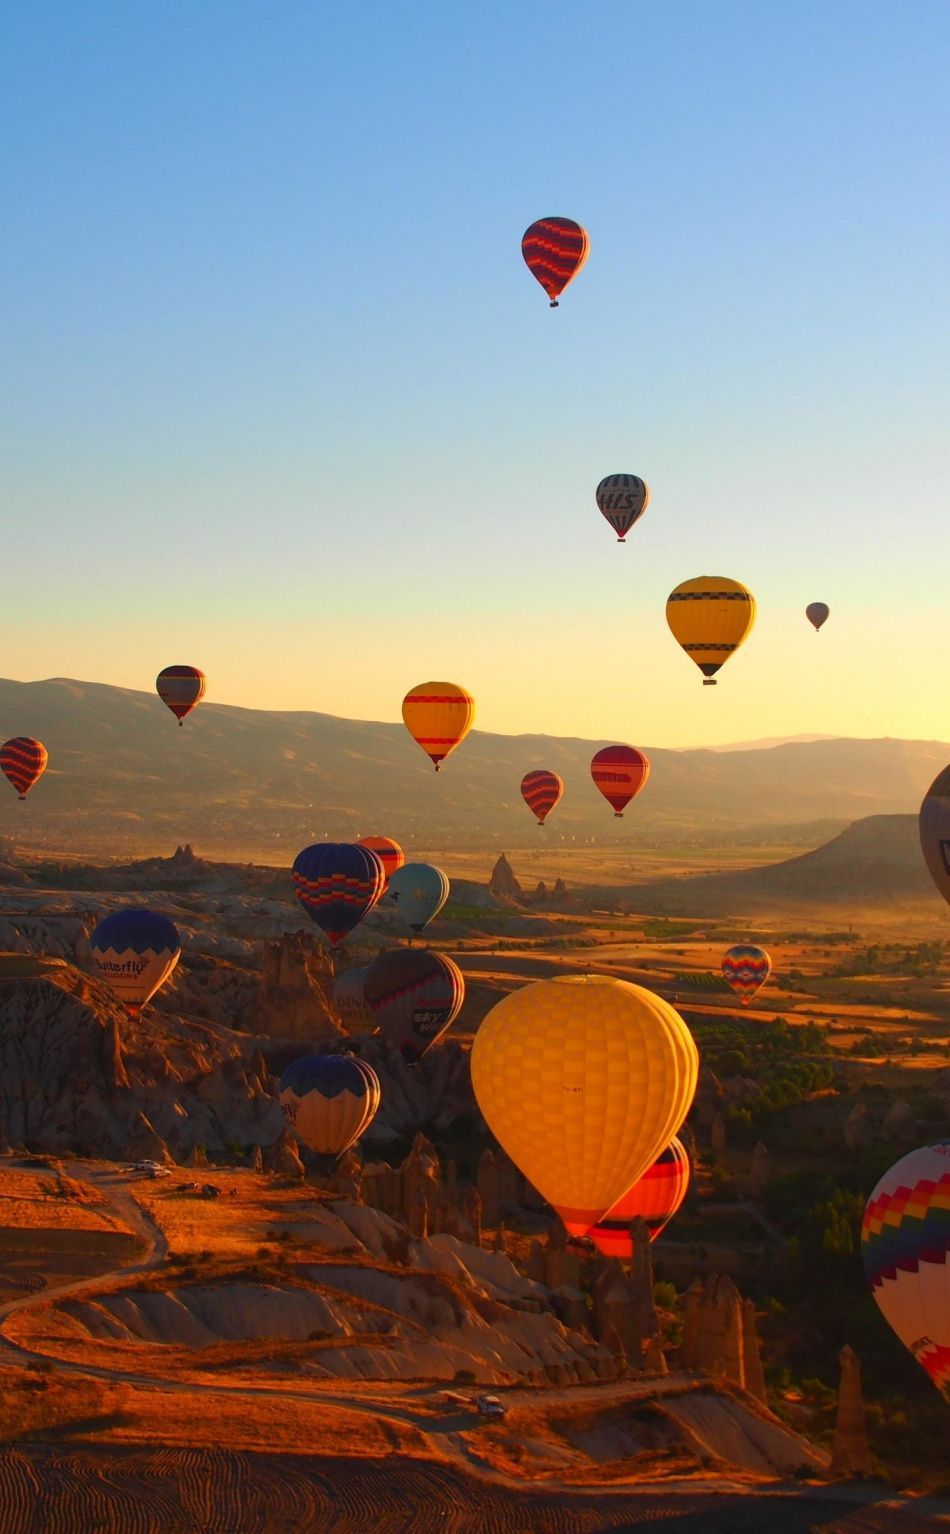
655 1197
554 250
135 952
438 716
23 760
817 614
583 1080
710 617
181 688
337 883
419 891
541 790
328 1101
746 967
415 995
622 499
390 853
619 772
905 1246
350 998
934 827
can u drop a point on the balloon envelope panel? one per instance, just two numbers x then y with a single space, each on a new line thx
583 1080
415 995
337 883
135 951
905 1247
655 1197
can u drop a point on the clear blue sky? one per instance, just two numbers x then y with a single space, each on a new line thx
280 398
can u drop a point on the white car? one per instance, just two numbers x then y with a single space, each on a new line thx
491 1406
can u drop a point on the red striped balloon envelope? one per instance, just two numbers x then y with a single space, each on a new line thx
390 853
554 250
23 760
181 688
541 791
619 772
655 1197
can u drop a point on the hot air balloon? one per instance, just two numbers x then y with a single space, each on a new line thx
817 614
746 968
390 853
622 498
905 1244
619 772
23 760
655 1197
555 249
541 791
329 1101
710 617
583 1080
420 890
438 716
337 883
934 827
181 688
351 1002
135 951
415 995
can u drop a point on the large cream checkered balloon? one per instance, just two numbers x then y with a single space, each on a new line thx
584 1080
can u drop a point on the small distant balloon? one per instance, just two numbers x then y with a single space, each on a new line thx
541 790
817 614
390 853
622 499
620 772
554 250
337 883
329 1101
135 951
438 716
655 1197
746 968
419 890
415 995
181 688
23 760
709 617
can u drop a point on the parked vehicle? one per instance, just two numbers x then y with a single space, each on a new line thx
491 1406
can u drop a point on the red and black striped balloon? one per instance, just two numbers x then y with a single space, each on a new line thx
541 791
555 249
619 772
23 760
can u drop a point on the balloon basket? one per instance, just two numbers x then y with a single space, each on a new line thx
709 681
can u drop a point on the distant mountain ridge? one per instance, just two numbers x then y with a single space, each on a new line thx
248 783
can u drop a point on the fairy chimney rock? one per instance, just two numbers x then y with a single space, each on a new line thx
503 884
851 1455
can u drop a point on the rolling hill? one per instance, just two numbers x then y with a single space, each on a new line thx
874 861
249 783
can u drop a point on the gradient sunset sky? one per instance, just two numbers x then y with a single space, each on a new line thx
282 401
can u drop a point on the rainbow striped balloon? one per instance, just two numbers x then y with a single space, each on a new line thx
541 791
23 760
655 1197
905 1246
746 968
554 250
